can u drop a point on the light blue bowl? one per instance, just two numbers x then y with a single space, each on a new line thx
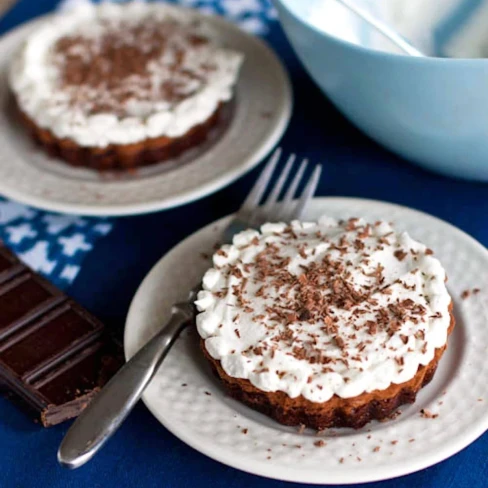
432 111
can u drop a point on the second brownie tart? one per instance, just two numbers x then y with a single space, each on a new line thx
327 324
121 86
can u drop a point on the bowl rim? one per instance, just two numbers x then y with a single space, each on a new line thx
282 6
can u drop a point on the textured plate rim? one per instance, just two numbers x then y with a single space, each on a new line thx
350 476
119 210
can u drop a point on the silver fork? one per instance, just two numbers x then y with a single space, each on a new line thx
110 407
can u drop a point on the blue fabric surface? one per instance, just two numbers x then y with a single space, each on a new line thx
145 454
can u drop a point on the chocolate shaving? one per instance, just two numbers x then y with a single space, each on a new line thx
103 73
400 255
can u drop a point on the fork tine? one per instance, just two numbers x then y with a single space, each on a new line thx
275 192
287 203
296 181
308 192
257 191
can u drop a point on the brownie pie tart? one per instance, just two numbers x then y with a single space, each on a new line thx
327 324
120 86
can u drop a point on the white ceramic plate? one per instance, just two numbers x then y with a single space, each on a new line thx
202 415
256 121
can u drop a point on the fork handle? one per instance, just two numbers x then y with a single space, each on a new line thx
106 412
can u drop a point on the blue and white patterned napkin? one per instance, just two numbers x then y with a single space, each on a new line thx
55 245
52 244
251 15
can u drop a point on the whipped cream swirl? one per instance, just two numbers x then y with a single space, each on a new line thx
323 309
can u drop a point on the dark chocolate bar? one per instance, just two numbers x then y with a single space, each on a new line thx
54 355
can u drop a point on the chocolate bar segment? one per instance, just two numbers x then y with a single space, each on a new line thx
48 340
74 383
9 265
24 298
54 355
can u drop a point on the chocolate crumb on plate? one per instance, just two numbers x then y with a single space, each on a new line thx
427 414
467 293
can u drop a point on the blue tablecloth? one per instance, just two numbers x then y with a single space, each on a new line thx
101 263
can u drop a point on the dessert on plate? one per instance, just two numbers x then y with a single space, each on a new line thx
120 86
327 324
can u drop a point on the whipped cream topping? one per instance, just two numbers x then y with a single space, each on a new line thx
120 74
323 309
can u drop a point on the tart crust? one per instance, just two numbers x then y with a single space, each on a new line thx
120 156
337 412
